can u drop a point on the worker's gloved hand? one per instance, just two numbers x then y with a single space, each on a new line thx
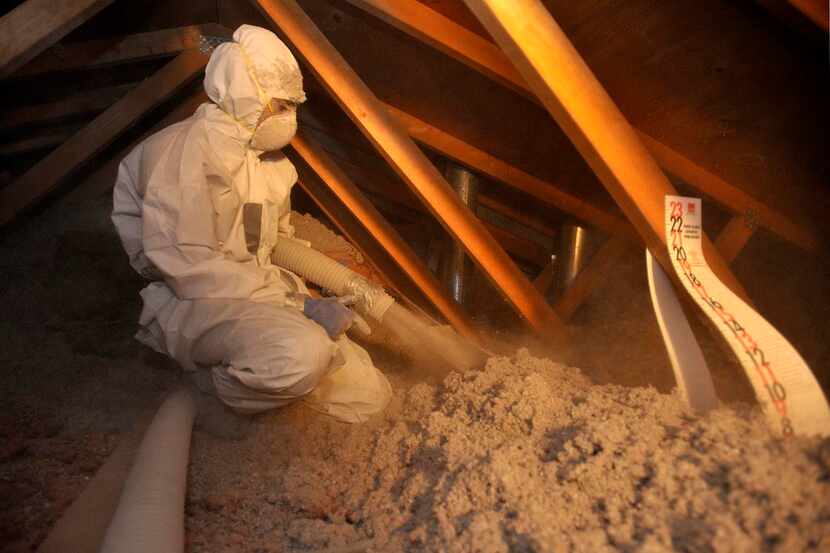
330 313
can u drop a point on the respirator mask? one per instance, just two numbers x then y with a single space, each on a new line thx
277 128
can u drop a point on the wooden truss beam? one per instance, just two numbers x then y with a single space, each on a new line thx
493 167
577 101
734 237
388 190
729 196
94 101
343 202
118 50
425 24
102 131
325 136
520 247
41 141
519 217
101 180
595 272
444 34
35 25
816 11
409 162
544 279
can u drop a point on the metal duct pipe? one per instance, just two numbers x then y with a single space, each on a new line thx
573 254
465 185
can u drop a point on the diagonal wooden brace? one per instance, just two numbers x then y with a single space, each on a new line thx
410 163
44 177
374 235
573 96
35 25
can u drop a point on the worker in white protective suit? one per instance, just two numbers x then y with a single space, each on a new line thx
199 208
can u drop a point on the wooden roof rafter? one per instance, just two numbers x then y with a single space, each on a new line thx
48 139
542 227
102 178
35 25
92 54
482 162
31 127
590 277
118 107
576 100
467 47
336 137
815 10
381 189
801 13
67 108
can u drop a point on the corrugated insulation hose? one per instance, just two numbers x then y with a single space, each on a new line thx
150 513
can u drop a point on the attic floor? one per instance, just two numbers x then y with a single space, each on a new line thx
526 455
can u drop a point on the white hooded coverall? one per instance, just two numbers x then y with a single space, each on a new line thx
199 212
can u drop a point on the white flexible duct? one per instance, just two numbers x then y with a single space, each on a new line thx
150 513
426 342
324 271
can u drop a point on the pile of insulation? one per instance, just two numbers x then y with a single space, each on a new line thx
523 455
526 455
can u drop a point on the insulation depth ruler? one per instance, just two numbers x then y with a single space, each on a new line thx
786 388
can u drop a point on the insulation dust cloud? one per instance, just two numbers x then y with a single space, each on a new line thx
434 349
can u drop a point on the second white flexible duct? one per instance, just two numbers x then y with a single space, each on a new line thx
150 513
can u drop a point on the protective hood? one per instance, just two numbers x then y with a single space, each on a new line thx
244 75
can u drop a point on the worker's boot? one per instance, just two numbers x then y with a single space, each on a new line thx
212 415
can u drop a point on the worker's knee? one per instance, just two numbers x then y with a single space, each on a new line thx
309 360
284 363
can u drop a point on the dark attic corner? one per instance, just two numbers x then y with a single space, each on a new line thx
414 275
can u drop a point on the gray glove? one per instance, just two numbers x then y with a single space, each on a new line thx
330 313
